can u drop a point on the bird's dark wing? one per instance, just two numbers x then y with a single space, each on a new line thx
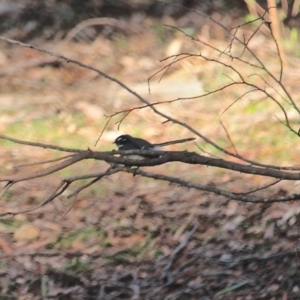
141 143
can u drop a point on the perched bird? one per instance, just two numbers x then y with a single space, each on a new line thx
128 142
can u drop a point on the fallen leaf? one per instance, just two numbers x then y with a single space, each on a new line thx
26 232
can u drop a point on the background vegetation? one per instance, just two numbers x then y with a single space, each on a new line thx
130 237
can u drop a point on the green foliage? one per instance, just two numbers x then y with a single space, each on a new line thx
160 31
249 17
78 266
232 288
81 235
294 35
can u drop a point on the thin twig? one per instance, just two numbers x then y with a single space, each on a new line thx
42 162
58 191
39 145
229 138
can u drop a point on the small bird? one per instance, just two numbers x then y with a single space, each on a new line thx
127 142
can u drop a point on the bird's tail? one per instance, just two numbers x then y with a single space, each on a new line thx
174 142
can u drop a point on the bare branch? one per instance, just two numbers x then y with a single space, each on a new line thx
42 162
111 170
66 163
229 138
165 157
217 191
40 145
263 187
58 191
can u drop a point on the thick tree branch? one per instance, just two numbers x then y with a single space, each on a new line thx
165 157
